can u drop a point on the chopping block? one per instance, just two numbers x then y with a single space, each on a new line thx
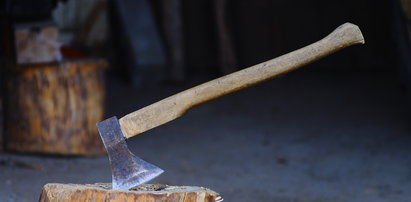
52 108
149 192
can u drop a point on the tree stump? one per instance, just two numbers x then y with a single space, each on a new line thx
103 192
53 108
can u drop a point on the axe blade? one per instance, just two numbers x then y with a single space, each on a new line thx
127 169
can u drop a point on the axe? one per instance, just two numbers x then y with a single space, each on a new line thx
129 170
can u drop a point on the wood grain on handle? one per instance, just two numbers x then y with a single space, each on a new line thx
174 106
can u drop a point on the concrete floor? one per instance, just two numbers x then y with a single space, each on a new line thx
306 136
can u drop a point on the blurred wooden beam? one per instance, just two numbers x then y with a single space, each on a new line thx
174 39
227 56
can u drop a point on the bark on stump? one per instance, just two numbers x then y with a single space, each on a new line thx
103 192
53 108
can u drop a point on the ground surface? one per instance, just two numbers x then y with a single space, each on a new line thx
301 137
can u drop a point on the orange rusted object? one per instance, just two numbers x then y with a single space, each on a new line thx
53 108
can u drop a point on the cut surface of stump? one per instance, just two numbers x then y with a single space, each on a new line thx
148 192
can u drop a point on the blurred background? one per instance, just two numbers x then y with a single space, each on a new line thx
336 130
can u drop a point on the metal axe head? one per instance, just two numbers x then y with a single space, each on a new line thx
127 169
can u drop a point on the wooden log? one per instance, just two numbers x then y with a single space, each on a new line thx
148 192
37 43
53 108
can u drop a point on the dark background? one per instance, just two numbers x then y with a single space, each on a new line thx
336 130
259 30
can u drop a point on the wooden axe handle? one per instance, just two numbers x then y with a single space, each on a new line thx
174 106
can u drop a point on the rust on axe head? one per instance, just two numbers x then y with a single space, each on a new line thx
127 169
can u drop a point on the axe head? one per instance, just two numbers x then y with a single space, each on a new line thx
127 169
